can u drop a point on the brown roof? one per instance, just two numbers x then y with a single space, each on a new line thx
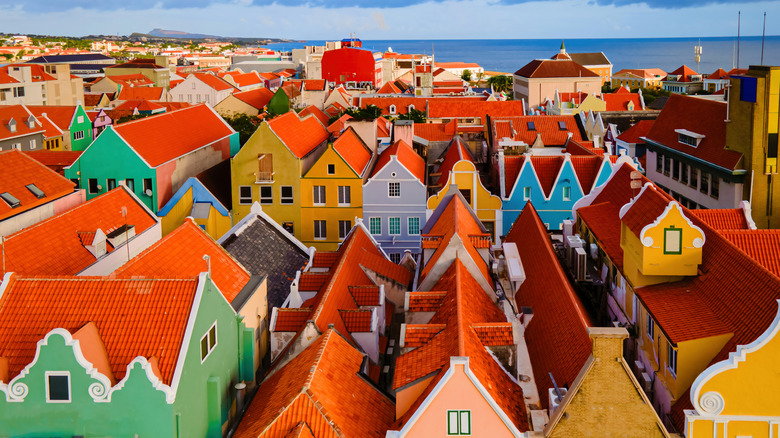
548 68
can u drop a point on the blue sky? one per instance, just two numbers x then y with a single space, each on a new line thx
405 19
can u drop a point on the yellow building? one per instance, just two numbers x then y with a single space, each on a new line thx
251 103
638 78
269 167
753 130
458 169
737 396
198 202
332 191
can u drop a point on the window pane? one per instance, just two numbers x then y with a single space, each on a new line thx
287 195
375 225
452 423
394 225
266 195
212 337
394 189
672 241
59 388
414 225
204 347
465 420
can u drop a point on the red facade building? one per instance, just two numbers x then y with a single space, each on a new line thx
351 65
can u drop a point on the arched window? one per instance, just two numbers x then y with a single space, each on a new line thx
392 109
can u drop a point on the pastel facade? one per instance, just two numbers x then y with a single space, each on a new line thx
160 75
251 103
195 200
35 84
638 78
20 129
72 121
539 79
202 88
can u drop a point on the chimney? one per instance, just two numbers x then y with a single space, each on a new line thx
366 130
607 342
403 130
95 242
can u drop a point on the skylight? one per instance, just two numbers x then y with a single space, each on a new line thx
35 191
531 126
561 125
10 199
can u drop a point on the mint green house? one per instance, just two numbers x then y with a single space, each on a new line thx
71 120
154 156
145 358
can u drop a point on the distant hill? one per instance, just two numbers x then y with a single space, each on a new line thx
162 33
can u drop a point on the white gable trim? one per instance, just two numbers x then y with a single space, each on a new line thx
590 197
182 356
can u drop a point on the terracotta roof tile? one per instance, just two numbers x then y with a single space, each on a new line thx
336 127
352 149
365 295
494 334
684 72
356 320
60 115
723 219
402 104
425 301
546 68
763 246
547 127
20 116
457 151
512 166
640 129
301 136
587 169
19 171
134 317
213 81
325 259
313 281
257 98
417 335
647 206
322 386
316 112
141 93
162 138
58 249
436 131
454 109
290 319
406 156
619 100
180 254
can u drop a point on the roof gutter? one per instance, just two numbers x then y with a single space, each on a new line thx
721 169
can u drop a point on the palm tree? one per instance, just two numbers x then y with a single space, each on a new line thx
501 83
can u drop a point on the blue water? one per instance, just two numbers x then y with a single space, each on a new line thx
510 55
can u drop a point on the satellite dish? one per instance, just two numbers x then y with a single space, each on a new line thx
99 187
148 192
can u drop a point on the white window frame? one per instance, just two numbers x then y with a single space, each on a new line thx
390 226
318 196
567 193
343 235
265 200
345 194
324 234
671 365
371 221
78 135
394 190
242 200
210 347
650 327
456 418
282 199
526 193
80 119
409 225
59 374
33 144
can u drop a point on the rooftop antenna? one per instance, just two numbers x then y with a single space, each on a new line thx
127 244
697 55
739 22
208 263
763 36
557 390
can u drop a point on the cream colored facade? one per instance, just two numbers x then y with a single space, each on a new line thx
536 90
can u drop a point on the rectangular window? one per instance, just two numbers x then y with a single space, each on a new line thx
318 195
684 173
78 135
687 139
676 170
715 187
266 195
287 195
667 165
531 126
130 183
265 167
208 342
458 422
659 163
331 169
10 199
414 226
80 119
672 240
671 360
320 230
111 183
375 225
207 100
19 92
394 225
395 257
694 182
244 195
466 195
33 143
93 186
566 193
345 196
704 187
394 189
57 386
526 193
148 187
650 328
344 227
561 125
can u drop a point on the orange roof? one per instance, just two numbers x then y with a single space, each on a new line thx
180 254
763 246
316 112
402 103
58 249
313 281
213 81
426 301
134 317
133 79
723 219
20 114
5 78
20 171
382 127
257 98
324 259
633 134
301 136
336 127
245 79
557 336
436 131
167 136
457 151
54 160
140 105
548 127
315 84
352 149
586 167
290 319
619 100
389 88
141 93
406 156
453 109
547 168
684 72
324 387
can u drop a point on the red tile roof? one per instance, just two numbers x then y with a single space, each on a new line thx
494 334
417 335
133 79
336 127
356 320
436 131
406 156
314 84
246 79
316 112
352 149
60 115
649 204
300 136
402 103
457 151
257 98
37 71
763 246
313 281
141 93
180 254
290 319
619 100
557 335
213 81
426 301
640 129
58 249
20 115
459 109
512 166
547 168
134 317
684 72
723 219
20 170
322 387
546 126
389 88
162 138
325 259
587 169
365 295
546 68
54 160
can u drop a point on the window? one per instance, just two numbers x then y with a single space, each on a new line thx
414 225
111 183
266 195
206 98
650 328
148 186
684 173
331 169
394 225
80 119
345 197
344 227
57 386
38 193
531 126
33 143
375 225
208 342
10 199
77 182
676 171
265 167
704 187
193 85
394 189
319 195
78 135
466 195
287 195
320 230
244 195
671 359
687 139
694 182
19 92
667 165
93 186
395 257
197 98
130 183
289 227
566 193
561 125
526 193
458 422
189 98
672 240
659 163
715 187
392 109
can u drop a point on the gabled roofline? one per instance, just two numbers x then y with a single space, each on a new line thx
257 211
189 183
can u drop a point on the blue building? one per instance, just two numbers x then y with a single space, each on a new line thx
394 200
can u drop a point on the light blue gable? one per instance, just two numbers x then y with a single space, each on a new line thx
411 203
199 194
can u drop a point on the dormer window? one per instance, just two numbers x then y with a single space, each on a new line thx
561 125
10 199
35 191
672 240
411 107
12 125
392 109
31 122
688 138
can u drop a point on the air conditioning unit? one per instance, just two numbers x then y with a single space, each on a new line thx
639 366
581 264
568 228
571 243
647 383
594 251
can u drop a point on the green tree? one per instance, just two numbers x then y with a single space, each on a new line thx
502 83
417 116
466 75
19 54
244 124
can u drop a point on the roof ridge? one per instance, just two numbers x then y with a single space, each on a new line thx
459 309
313 370
342 260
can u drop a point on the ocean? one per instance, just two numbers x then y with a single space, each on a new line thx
510 55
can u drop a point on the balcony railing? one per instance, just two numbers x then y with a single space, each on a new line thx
264 177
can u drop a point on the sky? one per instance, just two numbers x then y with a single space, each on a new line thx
403 19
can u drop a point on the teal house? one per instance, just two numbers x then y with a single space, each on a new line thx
119 357
71 120
154 156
